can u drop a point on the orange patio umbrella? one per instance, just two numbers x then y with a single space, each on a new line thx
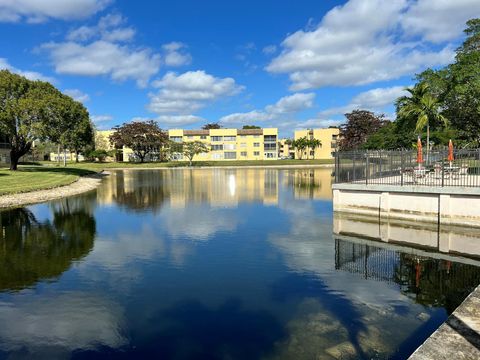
419 152
450 152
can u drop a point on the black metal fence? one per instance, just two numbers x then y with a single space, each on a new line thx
400 167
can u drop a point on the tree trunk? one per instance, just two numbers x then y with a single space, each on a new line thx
58 154
64 157
77 152
14 157
428 142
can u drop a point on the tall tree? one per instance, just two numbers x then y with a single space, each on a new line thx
359 126
313 144
211 126
424 107
81 136
192 148
457 86
247 127
143 137
25 109
300 145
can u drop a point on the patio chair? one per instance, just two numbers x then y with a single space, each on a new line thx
463 170
437 171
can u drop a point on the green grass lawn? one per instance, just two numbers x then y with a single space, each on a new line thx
97 166
29 178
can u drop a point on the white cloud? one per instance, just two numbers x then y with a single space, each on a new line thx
31 75
77 95
190 91
439 20
373 100
269 50
104 58
35 11
169 121
283 107
59 323
101 50
109 28
176 55
357 43
101 118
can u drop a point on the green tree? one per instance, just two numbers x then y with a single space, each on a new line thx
422 106
81 136
300 145
143 137
457 86
313 144
248 127
211 126
192 148
359 126
22 113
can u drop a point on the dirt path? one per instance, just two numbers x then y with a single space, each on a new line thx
83 184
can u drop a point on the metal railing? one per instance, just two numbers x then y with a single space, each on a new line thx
400 167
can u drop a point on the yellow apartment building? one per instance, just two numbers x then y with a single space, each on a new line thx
328 137
4 150
285 151
230 144
224 144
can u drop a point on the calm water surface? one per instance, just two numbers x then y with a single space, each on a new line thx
212 264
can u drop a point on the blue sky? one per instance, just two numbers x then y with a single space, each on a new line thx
287 64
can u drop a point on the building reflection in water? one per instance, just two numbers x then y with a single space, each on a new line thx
151 189
441 282
310 183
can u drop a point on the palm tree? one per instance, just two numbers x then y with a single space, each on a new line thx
424 107
313 144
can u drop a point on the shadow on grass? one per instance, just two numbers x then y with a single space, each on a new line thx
57 170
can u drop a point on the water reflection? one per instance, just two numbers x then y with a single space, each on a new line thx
31 251
218 264
445 239
150 190
432 282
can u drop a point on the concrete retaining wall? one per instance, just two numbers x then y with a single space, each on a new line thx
444 206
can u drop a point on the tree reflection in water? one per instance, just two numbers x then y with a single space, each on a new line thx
32 251
141 191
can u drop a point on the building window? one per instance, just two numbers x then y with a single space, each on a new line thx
177 139
217 147
270 138
270 146
229 138
256 144
217 138
203 137
256 136
229 146
230 155
270 155
243 145
256 153
217 156
243 153
190 137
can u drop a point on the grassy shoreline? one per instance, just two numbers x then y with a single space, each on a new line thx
48 175
97 166
31 178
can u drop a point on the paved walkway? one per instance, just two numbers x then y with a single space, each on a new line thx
458 337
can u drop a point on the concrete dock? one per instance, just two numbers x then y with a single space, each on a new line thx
458 337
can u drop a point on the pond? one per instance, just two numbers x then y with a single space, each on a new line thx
213 264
